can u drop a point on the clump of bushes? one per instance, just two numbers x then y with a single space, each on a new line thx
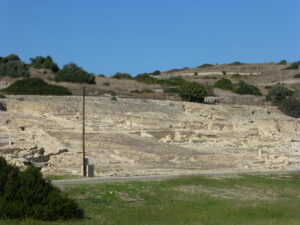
236 75
12 66
206 65
246 89
192 91
146 78
75 74
206 77
156 73
236 64
297 75
278 93
35 86
26 194
290 106
293 66
2 96
41 62
106 84
282 62
224 84
120 76
268 87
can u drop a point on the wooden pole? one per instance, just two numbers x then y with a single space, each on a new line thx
83 132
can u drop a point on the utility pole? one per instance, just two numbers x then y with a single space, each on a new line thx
83 131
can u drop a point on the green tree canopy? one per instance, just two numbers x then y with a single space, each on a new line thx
75 74
41 62
192 91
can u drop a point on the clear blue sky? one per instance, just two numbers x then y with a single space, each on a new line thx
106 36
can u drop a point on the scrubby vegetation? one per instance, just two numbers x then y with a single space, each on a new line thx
120 76
206 77
12 66
246 89
192 91
2 96
290 106
75 74
282 62
236 75
278 93
41 62
35 86
236 64
224 84
297 75
142 91
146 78
26 194
293 66
206 65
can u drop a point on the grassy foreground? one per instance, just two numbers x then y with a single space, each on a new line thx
242 200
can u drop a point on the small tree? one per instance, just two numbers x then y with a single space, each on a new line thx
26 194
224 84
73 73
192 91
120 76
41 62
246 89
278 93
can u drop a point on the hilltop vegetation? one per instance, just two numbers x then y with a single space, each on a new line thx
35 86
12 66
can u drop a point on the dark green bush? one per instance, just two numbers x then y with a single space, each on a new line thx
236 64
120 76
41 62
192 91
35 86
282 62
293 66
26 194
175 81
106 84
101 75
11 66
290 106
236 75
206 77
75 74
246 89
146 78
206 65
297 75
156 72
142 91
174 90
224 84
268 87
278 93
2 96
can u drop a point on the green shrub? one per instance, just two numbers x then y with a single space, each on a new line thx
293 66
156 72
236 75
11 66
278 93
121 76
175 81
282 62
26 194
106 84
75 74
224 84
35 86
236 64
297 75
101 75
2 96
41 62
290 106
146 78
192 91
224 72
246 89
206 65
268 87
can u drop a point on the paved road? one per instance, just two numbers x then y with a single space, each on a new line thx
163 177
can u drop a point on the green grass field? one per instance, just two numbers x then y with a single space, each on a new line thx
240 200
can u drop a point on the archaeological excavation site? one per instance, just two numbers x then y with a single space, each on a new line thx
133 137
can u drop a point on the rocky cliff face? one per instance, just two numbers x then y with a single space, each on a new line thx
136 137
